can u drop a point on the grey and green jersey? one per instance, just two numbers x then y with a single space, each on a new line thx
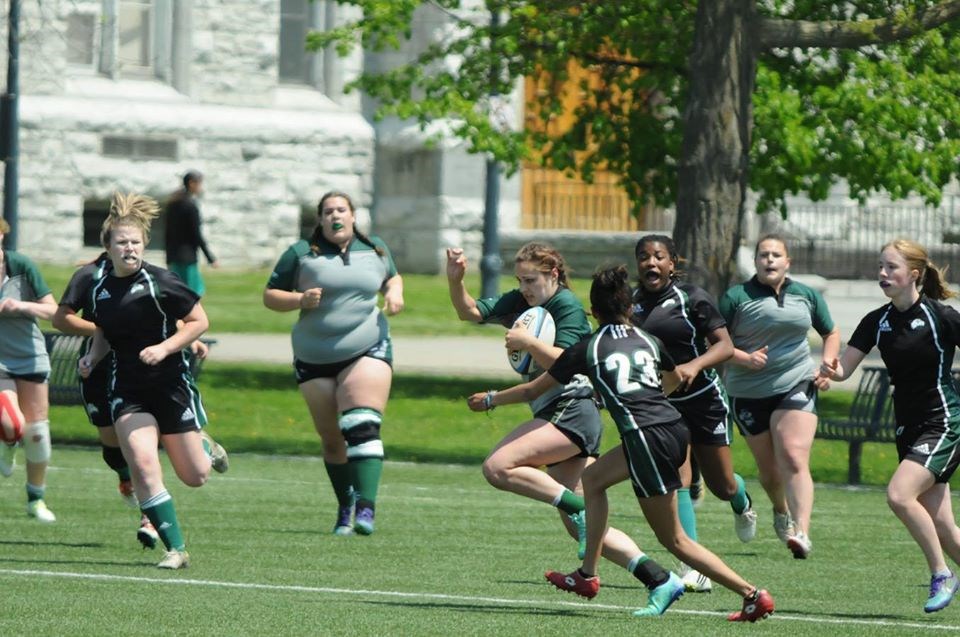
757 316
571 324
348 321
22 348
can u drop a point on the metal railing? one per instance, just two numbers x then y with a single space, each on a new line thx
844 241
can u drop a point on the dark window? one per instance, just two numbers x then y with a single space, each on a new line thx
294 63
139 147
308 221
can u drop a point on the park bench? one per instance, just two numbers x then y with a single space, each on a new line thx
871 417
64 349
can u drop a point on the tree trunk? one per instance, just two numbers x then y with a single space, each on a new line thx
714 159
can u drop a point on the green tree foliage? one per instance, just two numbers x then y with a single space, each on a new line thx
811 92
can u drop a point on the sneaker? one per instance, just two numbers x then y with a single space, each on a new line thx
783 525
218 455
127 494
174 559
745 524
694 581
146 534
343 526
800 545
942 590
580 521
662 597
575 583
8 459
38 509
760 607
363 520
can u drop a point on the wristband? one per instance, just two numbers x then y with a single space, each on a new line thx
488 400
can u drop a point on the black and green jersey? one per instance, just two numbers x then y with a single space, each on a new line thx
681 316
757 316
569 318
348 321
138 311
22 348
624 364
917 347
77 296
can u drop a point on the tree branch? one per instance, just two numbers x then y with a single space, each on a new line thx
851 34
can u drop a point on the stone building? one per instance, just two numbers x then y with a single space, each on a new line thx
127 95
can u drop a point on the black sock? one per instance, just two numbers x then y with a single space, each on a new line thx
650 573
584 575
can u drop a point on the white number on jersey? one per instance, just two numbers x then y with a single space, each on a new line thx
643 363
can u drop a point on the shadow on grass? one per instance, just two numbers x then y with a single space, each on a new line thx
138 565
525 610
70 545
542 583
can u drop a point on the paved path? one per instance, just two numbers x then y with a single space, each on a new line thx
484 355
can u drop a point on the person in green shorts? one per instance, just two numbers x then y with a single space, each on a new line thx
341 347
183 236
24 371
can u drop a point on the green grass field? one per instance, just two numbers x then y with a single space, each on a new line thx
233 302
451 556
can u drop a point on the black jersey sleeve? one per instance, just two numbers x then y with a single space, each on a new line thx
175 297
571 362
950 320
865 336
706 316
76 292
666 361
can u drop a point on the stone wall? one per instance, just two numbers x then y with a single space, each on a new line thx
267 151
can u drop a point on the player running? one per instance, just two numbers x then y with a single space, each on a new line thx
625 365
917 337
137 308
24 371
686 319
342 352
773 383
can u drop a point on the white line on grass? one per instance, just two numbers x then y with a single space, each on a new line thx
453 598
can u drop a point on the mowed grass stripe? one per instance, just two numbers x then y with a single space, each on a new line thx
441 531
445 597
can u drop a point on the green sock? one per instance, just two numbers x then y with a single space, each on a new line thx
365 476
163 516
34 492
688 519
340 481
569 502
740 500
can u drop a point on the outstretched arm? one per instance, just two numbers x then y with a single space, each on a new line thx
463 303
524 392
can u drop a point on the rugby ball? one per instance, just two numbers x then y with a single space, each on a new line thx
11 429
538 322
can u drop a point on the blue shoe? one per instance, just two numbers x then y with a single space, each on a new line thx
343 526
580 520
942 590
662 597
363 522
